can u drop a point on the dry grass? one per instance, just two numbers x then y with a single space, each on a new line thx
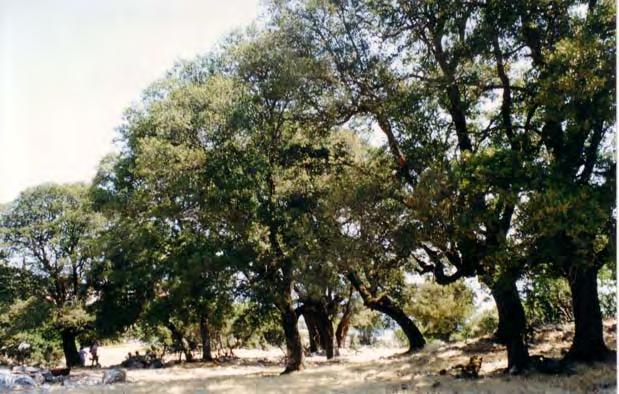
369 371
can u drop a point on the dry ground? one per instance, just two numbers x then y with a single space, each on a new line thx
367 370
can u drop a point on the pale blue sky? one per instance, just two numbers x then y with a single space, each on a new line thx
68 69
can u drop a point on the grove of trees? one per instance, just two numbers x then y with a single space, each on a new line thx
246 194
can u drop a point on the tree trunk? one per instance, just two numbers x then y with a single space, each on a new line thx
342 328
178 338
205 335
325 328
500 335
512 323
385 305
294 348
312 329
71 355
588 344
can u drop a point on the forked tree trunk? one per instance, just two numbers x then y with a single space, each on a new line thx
342 327
69 348
588 343
205 335
512 323
385 305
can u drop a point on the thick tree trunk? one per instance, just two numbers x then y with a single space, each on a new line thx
205 336
294 348
588 344
385 305
312 329
512 323
325 328
319 327
500 335
69 347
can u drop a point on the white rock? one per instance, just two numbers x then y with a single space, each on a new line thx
10 381
115 375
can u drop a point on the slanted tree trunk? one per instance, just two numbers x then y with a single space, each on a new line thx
69 348
179 340
342 328
588 343
341 333
205 336
512 322
385 305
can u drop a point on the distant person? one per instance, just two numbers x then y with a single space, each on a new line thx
94 357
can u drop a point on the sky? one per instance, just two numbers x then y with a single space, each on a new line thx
69 68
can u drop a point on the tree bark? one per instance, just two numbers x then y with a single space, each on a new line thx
69 348
205 335
512 323
501 335
325 328
178 338
385 305
342 328
314 334
294 348
588 343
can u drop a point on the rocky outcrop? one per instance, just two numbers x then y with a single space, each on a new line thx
14 381
139 362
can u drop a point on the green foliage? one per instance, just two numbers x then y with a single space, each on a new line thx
252 326
608 291
480 324
440 310
29 322
547 300
367 322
